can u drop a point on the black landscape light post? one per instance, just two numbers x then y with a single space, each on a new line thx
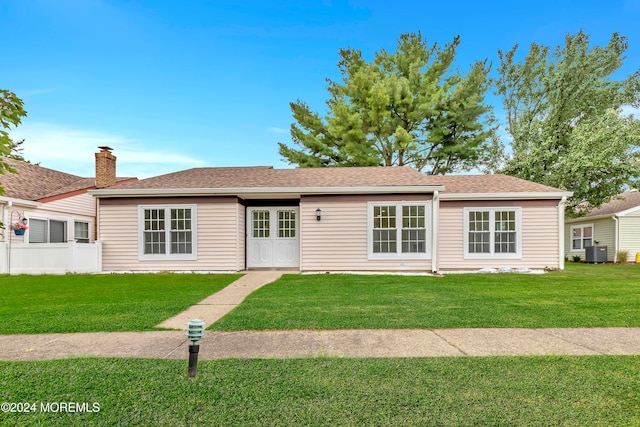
195 332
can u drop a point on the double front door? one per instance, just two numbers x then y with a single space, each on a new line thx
273 237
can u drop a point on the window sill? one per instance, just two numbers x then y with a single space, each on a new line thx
189 257
397 257
492 256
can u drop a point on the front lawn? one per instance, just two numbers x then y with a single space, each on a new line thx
581 296
90 303
497 391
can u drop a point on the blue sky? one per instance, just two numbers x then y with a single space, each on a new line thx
174 85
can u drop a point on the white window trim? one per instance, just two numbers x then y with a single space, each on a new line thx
399 255
39 216
89 228
492 254
168 256
583 226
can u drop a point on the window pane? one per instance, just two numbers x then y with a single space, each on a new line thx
384 217
38 231
154 235
81 232
384 241
287 224
414 241
479 242
588 242
181 236
154 219
414 233
154 242
180 242
588 232
479 236
57 231
576 244
260 224
505 242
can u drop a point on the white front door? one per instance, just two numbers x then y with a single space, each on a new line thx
273 237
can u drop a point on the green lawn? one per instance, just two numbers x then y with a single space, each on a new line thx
89 303
581 296
523 391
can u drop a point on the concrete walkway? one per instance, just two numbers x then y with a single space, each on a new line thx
215 306
309 343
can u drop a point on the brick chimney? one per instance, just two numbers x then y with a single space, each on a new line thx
105 168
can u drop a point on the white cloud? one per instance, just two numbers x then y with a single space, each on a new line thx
72 151
34 92
277 130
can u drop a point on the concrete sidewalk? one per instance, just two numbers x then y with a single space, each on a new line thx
309 343
331 343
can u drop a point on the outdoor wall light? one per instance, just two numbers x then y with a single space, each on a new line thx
195 331
318 214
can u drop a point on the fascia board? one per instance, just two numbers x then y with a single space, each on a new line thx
115 192
20 202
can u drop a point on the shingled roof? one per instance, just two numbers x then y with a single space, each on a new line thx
486 184
33 182
621 203
266 177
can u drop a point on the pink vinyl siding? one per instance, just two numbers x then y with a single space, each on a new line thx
240 238
218 241
540 243
338 242
81 204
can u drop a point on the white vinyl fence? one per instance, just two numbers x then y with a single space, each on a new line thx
50 258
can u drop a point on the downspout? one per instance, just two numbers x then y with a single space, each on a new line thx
434 233
561 235
616 241
97 223
3 233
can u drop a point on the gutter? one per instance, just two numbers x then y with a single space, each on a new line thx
22 202
155 192
506 196
561 236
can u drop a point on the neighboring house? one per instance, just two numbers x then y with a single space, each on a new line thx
61 216
615 225
329 219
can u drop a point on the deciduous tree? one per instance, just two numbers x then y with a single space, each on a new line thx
563 111
11 113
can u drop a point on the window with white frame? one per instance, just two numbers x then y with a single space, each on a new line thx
581 237
81 231
399 230
167 232
47 231
492 233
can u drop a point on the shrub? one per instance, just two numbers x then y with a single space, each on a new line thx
576 258
622 256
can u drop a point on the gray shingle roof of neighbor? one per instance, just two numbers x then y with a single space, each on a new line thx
337 177
621 203
33 182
